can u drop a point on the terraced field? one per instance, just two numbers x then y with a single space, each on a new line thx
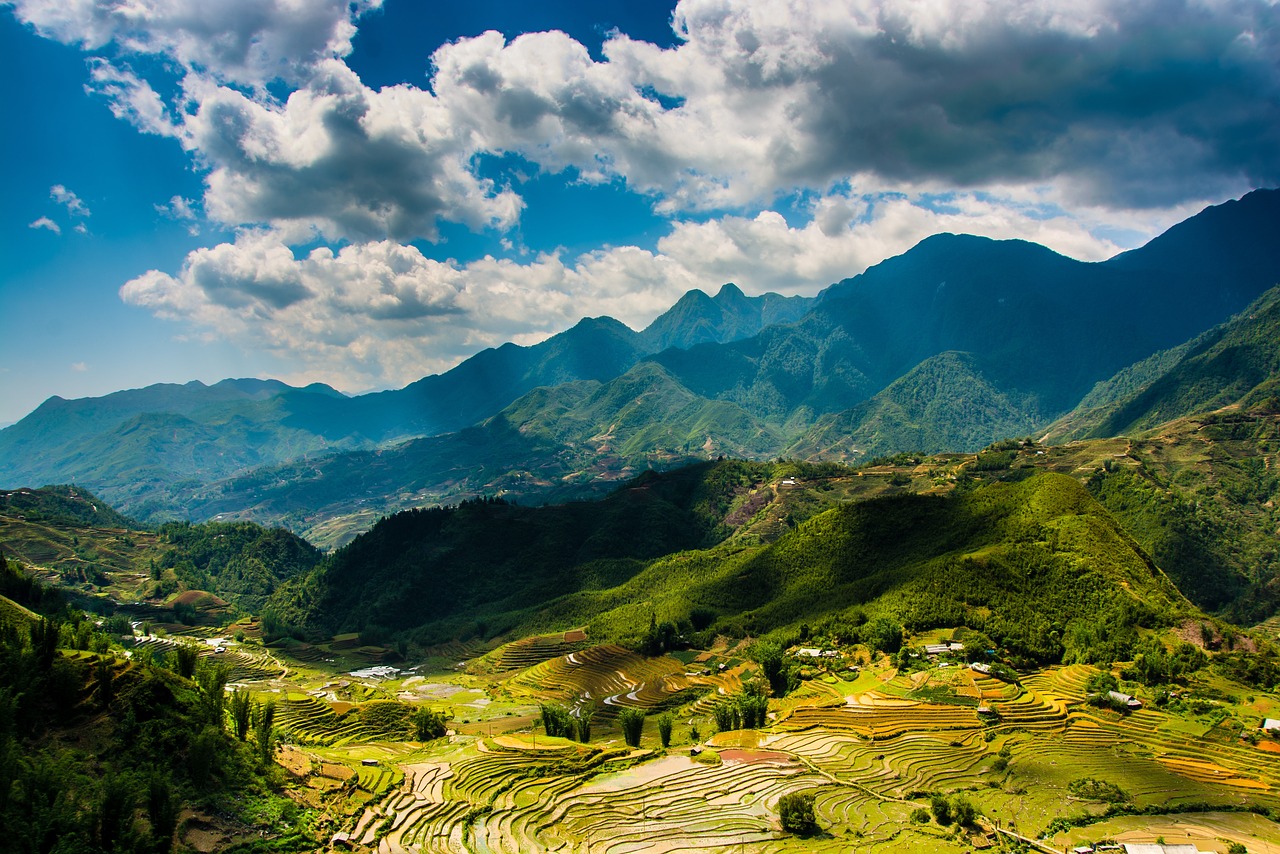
870 759
610 678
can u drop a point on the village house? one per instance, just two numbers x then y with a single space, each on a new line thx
1130 702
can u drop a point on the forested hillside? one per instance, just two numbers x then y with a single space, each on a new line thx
1039 565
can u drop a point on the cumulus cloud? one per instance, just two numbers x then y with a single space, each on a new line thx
46 223
249 42
1122 105
69 200
342 159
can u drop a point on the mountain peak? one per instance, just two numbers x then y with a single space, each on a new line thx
730 291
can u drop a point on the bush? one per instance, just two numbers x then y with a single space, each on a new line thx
796 813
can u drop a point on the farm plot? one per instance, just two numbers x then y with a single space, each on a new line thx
875 715
527 652
609 677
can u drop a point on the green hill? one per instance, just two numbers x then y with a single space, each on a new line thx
74 541
1038 565
67 505
943 404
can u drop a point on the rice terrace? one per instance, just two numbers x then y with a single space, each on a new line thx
883 751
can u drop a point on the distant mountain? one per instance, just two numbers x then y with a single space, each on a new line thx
556 443
1037 326
950 346
728 316
143 449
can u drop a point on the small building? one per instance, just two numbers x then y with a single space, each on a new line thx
369 763
936 649
1158 848
955 646
1082 849
1271 724
980 667
1130 702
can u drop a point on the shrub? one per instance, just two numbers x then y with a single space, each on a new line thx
941 809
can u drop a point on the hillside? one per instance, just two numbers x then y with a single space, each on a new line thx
944 403
1039 565
1235 364
62 504
103 564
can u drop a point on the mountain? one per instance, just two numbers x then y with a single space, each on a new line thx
728 316
952 345
570 441
1234 364
145 448
1037 326
943 403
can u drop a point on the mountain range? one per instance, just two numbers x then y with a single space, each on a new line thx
954 344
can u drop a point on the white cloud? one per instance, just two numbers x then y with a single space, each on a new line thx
181 210
1119 105
80 367
74 205
45 222
249 42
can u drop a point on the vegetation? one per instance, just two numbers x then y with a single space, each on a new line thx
795 812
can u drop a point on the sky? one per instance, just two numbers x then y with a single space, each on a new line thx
362 193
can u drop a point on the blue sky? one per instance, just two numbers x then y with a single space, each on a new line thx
364 193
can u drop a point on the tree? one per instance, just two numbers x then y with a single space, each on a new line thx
883 634
964 811
428 724
665 722
796 813
582 728
184 661
556 721
241 713
941 809
632 723
266 720
773 665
